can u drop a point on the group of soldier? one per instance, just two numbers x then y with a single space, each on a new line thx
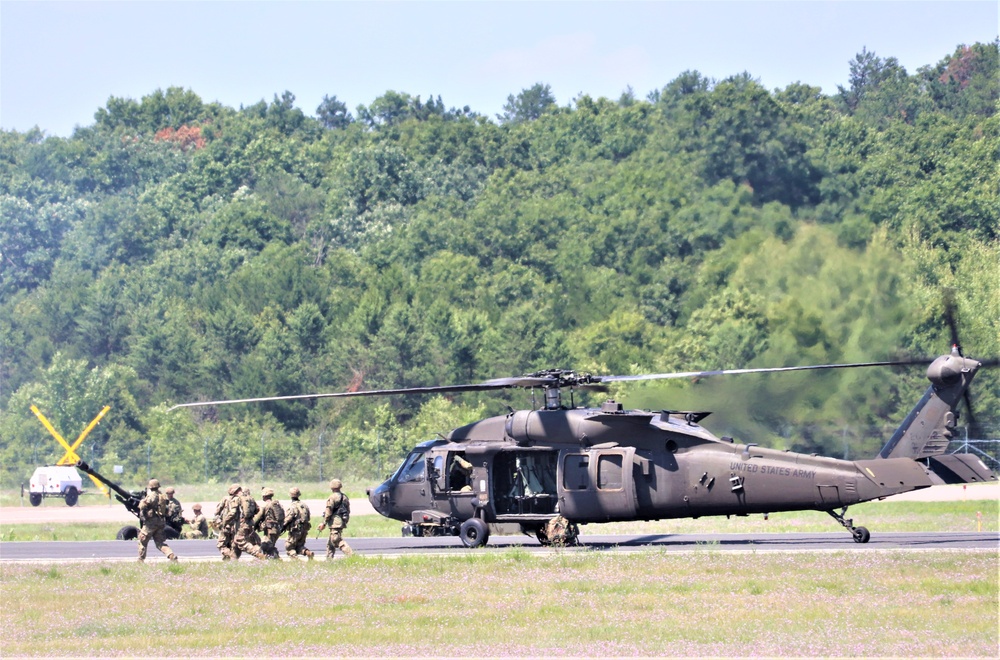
241 525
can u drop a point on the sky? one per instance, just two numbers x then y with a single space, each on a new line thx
61 61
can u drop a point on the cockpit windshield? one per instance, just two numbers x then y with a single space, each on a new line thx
412 469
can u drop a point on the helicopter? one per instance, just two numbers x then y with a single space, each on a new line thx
545 471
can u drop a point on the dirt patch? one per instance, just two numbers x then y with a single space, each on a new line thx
951 493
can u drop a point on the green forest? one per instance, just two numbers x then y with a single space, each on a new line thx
176 250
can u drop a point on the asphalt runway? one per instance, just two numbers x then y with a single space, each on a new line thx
91 551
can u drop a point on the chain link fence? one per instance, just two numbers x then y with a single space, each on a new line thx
982 441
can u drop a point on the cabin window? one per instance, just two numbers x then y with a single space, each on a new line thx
576 472
609 472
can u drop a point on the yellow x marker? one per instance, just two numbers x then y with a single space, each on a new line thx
71 457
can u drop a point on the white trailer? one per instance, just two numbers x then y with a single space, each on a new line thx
55 481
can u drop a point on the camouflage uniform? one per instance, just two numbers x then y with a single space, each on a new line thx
152 509
559 531
246 539
226 514
336 515
174 516
270 520
199 525
297 525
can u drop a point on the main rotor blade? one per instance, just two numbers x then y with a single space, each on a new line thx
764 370
949 317
497 384
545 380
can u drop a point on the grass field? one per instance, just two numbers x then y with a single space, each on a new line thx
708 602
511 603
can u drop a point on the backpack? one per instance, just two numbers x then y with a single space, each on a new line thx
344 509
277 515
250 508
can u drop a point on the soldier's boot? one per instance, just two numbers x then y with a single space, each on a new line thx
172 557
309 554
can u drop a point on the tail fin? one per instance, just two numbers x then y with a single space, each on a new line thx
930 426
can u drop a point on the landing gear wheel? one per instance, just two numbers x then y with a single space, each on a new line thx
860 534
72 495
128 533
35 498
474 533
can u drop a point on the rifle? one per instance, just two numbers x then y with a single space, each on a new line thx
130 500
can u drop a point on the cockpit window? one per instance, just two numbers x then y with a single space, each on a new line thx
414 468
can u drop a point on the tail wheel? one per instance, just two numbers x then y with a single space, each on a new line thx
474 533
860 534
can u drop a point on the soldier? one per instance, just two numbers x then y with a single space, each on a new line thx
175 512
270 520
297 525
152 509
246 539
560 532
336 515
461 474
226 514
199 524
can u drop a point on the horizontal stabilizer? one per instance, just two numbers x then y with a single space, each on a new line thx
890 477
960 469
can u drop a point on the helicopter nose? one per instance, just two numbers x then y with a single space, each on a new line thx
379 498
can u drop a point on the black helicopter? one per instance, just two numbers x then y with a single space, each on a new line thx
543 472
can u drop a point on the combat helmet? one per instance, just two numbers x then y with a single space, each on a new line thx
267 492
154 484
170 491
294 491
196 507
335 484
235 488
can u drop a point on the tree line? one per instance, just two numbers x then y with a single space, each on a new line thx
177 250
